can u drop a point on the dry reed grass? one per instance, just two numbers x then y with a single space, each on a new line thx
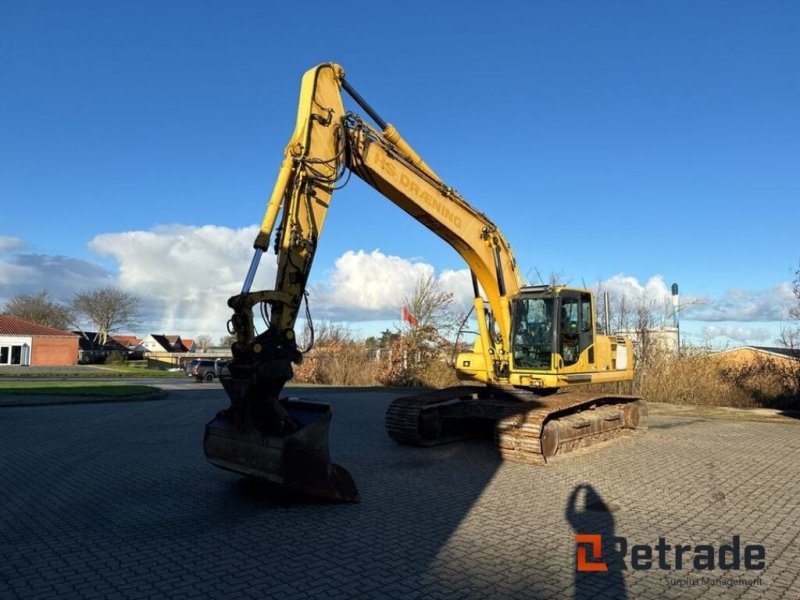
696 377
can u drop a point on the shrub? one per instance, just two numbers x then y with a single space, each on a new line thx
116 357
696 376
337 358
770 382
699 377
692 378
407 363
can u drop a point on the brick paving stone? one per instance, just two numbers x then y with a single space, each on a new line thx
116 501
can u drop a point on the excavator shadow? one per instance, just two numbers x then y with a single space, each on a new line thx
450 521
258 492
420 505
537 431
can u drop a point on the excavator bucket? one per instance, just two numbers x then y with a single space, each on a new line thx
281 441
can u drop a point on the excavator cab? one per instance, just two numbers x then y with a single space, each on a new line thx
552 329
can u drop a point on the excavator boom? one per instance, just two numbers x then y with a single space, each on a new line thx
286 441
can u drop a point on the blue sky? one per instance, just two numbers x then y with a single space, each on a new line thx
614 141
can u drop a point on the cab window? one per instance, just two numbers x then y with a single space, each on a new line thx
532 333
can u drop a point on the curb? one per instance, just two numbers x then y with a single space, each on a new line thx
20 401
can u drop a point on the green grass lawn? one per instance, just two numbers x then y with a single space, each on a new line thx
76 388
88 371
127 371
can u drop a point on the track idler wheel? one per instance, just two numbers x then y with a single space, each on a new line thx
430 425
550 439
631 415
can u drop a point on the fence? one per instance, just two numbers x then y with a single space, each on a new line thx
173 360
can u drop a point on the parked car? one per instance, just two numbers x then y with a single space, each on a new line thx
190 366
203 369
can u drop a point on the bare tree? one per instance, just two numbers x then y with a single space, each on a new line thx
422 351
39 308
640 319
108 309
227 340
646 317
203 342
790 331
337 356
324 333
621 313
432 309
795 311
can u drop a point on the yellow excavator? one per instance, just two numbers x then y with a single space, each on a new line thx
535 343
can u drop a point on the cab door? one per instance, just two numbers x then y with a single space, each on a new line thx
575 332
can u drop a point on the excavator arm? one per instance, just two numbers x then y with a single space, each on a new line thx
286 441
327 142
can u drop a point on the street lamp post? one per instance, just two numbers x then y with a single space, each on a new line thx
676 306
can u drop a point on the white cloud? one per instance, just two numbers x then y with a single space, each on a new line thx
59 276
185 275
8 244
771 305
372 282
459 283
628 291
367 286
625 286
743 335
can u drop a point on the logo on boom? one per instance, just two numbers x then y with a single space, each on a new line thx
438 205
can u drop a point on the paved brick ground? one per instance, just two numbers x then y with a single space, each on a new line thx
116 501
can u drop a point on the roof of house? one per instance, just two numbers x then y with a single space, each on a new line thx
187 343
162 341
15 326
788 352
90 340
774 350
168 343
126 340
177 343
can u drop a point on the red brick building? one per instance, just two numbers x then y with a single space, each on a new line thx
25 343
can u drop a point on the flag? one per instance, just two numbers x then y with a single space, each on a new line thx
408 317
